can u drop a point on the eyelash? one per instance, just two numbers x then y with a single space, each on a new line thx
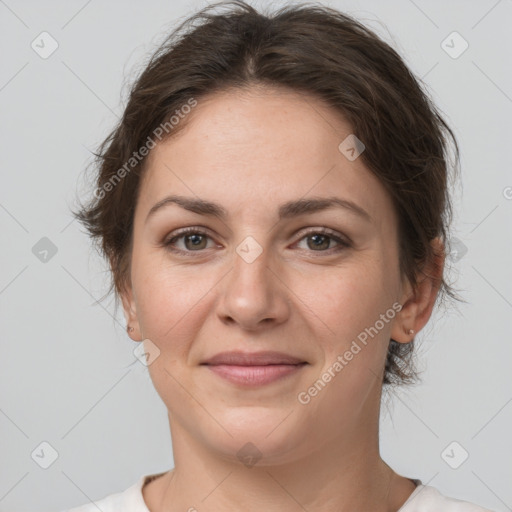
342 244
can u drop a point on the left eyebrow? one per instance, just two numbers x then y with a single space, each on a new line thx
286 210
316 204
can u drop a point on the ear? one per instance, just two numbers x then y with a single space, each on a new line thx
417 304
130 313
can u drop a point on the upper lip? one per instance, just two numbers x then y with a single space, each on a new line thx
252 359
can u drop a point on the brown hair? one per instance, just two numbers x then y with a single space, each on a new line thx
308 48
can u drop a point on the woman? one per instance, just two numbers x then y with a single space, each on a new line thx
274 208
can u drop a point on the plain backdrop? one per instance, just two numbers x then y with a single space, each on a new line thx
66 372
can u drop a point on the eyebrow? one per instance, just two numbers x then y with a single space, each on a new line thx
287 210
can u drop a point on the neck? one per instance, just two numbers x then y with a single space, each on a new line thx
345 474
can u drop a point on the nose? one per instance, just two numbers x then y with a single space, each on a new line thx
253 294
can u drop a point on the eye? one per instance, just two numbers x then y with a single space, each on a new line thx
195 240
322 239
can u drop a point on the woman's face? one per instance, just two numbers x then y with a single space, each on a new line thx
264 277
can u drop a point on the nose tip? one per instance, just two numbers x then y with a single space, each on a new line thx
252 296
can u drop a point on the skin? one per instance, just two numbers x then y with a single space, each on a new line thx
250 151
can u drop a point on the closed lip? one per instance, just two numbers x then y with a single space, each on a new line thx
253 359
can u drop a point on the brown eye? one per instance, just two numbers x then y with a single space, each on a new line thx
193 240
321 241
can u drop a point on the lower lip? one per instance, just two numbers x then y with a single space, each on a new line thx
255 375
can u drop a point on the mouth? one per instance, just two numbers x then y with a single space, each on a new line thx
254 369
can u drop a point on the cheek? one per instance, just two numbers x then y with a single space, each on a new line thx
172 304
356 348
173 300
357 308
353 296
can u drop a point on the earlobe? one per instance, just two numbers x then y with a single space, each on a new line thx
419 301
130 314
405 325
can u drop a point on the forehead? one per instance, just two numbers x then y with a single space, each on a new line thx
245 149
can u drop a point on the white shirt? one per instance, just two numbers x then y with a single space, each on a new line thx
423 499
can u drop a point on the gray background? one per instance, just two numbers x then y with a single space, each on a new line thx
65 372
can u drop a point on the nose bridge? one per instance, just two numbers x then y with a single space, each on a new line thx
252 293
251 266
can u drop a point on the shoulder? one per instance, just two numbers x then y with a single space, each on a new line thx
428 499
129 500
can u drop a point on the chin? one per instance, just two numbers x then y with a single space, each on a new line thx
260 434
